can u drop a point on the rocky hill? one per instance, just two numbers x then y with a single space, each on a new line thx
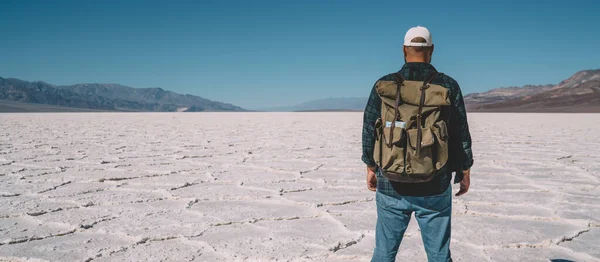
106 97
579 93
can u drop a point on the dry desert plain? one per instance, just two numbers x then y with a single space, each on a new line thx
278 186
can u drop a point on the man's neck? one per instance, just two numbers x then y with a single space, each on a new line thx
416 59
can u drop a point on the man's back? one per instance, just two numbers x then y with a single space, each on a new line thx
459 153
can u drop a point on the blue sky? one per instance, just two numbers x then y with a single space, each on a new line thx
275 53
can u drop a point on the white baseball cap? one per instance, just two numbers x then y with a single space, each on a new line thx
417 31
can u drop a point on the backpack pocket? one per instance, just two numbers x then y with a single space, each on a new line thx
390 159
440 130
420 163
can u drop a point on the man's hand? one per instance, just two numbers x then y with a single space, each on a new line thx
465 183
371 178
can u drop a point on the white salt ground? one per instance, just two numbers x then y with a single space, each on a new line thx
278 186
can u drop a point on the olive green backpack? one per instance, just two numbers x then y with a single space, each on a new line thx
412 133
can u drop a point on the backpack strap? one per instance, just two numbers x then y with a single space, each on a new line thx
398 77
430 77
426 83
399 82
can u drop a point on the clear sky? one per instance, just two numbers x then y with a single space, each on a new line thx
275 53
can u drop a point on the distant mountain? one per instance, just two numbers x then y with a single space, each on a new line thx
105 97
327 104
505 93
579 93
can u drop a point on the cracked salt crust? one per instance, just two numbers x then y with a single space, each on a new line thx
278 186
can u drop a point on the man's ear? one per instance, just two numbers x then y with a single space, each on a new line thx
404 49
431 54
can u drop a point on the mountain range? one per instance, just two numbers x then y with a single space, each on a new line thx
18 95
579 93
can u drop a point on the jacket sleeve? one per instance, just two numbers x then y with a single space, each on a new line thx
462 136
371 114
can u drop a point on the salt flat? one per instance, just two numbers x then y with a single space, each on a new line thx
278 186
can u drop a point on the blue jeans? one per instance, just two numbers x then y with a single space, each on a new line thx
433 215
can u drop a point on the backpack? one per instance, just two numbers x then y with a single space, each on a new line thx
411 137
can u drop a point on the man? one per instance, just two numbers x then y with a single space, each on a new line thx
430 201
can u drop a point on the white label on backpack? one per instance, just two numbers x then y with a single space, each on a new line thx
400 124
